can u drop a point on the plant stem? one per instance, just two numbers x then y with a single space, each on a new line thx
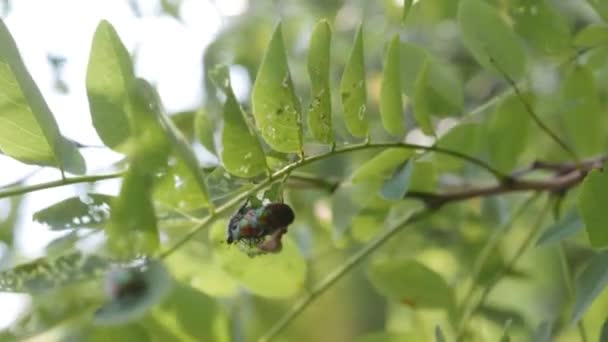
337 274
461 328
20 190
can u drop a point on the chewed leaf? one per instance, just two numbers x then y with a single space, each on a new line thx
275 106
90 210
44 274
353 90
109 75
319 114
391 104
132 291
242 154
28 130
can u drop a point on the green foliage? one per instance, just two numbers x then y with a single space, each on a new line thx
589 284
90 210
591 206
29 132
319 114
391 104
353 89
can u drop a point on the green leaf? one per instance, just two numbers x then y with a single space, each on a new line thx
566 227
410 281
90 210
464 138
204 127
242 153
407 5
275 106
592 202
424 176
178 189
348 201
540 24
589 284
443 84
384 336
28 130
487 36
109 76
592 36
604 332
439 335
319 114
147 94
381 166
391 104
510 116
396 187
583 112
278 275
601 7
48 273
353 90
422 99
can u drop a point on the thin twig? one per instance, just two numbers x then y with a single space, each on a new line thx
338 273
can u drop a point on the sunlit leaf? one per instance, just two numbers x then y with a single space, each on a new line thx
204 127
487 36
47 273
90 210
353 90
391 104
566 227
319 114
583 112
381 166
278 275
422 99
589 284
544 27
592 202
410 281
127 332
510 116
109 76
242 153
275 105
592 36
178 189
600 7
28 130
396 187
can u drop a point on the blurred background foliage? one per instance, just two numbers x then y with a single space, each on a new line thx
415 282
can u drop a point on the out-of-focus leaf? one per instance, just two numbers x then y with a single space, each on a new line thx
424 176
90 210
501 316
146 93
348 201
188 315
589 284
242 154
223 186
407 5
178 189
46 273
125 333
510 116
544 332
583 114
28 130
604 332
275 106
109 76
567 226
204 127
540 24
353 90
487 36
278 275
442 82
184 121
463 138
592 202
319 114
381 166
391 104
422 100
410 281
439 336
390 337
592 36
132 292
171 7
396 187
600 7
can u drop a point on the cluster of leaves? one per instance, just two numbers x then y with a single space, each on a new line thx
417 94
